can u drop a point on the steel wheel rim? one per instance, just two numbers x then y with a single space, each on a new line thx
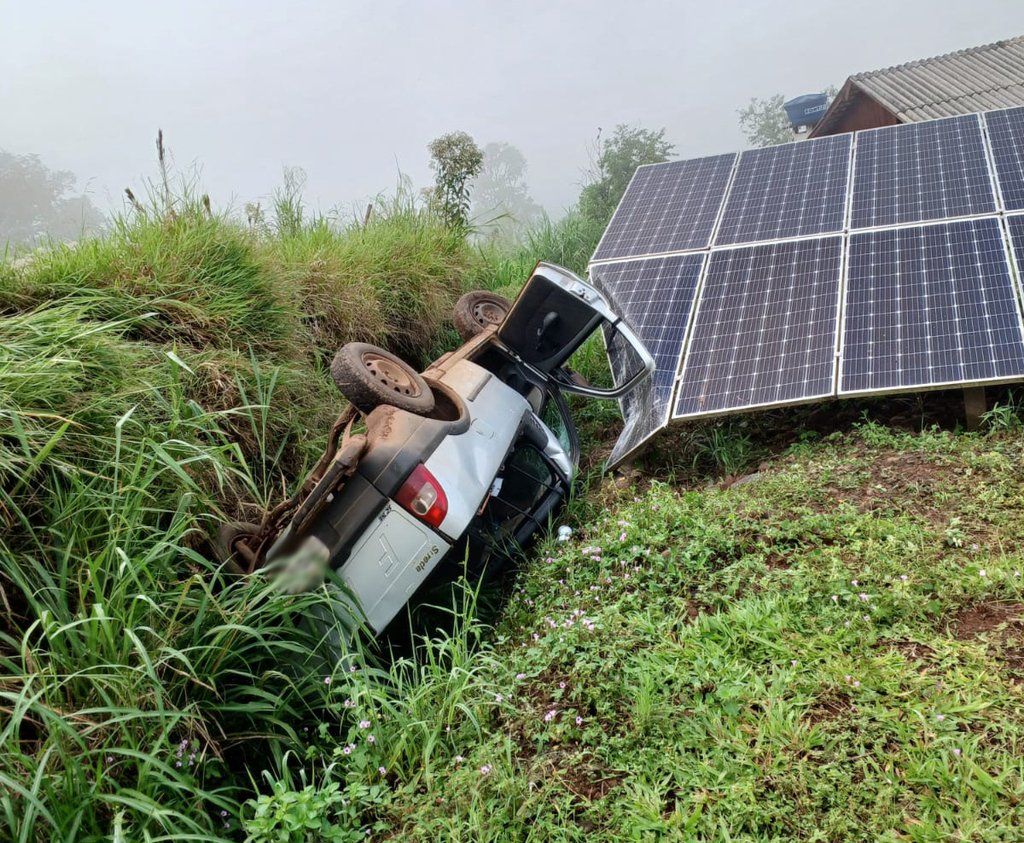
389 373
489 313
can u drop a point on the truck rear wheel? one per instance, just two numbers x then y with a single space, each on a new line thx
369 376
478 310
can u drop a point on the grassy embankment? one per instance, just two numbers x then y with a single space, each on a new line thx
153 382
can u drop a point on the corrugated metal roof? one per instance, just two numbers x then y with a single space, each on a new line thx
978 79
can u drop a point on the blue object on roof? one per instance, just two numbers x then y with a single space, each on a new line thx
806 110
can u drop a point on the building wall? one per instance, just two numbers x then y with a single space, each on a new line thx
863 113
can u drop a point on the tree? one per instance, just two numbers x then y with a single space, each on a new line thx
456 160
502 206
765 123
617 160
39 202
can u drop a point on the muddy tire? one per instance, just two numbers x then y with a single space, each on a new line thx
478 310
369 376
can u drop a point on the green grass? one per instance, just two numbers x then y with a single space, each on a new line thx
752 665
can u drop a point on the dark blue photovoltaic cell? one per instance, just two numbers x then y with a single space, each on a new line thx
928 306
655 297
1015 225
920 171
764 331
790 190
668 208
1006 137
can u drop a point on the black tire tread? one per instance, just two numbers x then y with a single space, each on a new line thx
365 393
464 320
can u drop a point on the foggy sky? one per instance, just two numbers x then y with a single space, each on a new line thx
352 91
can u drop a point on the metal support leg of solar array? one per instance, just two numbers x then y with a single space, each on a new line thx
974 406
883 261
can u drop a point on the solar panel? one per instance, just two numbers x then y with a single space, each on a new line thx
930 306
920 171
1006 137
1015 226
790 190
764 331
668 208
655 296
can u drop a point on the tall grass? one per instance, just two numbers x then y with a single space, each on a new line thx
569 242
153 382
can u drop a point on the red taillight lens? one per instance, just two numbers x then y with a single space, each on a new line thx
423 496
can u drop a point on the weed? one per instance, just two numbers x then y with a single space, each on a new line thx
1004 416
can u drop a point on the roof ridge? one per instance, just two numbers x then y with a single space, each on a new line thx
867 74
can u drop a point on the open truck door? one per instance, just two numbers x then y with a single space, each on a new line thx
553 315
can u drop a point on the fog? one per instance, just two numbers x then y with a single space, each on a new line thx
353 91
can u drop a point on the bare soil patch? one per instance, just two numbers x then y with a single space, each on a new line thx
988 617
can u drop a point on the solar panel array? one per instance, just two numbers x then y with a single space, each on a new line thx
848 265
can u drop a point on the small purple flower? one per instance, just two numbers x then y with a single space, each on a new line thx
550 716
223 813
579 720
793 662
459 759
110 759
855 583
485 769
177 763
364 724
835 598
940 717
956 752
327 680
561 684
903 577
382 770
863 597
370 739
352 669
982 573
498 698
520 676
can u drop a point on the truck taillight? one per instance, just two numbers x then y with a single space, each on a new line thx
423 496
